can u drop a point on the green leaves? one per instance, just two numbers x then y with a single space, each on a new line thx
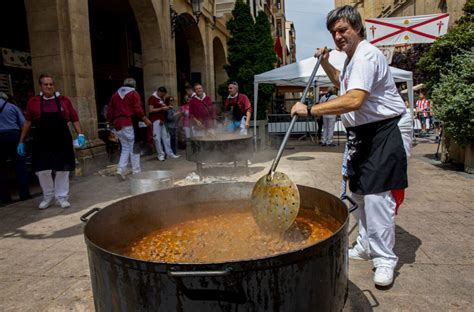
453 98
449 70
251 52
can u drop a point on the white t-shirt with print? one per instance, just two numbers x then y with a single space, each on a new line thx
368 70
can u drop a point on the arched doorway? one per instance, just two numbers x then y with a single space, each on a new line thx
116 49
219 61
16 77
190 59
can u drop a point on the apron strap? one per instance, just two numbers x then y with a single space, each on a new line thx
3 106
58 103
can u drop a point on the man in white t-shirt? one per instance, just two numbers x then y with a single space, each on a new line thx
379 138
328 120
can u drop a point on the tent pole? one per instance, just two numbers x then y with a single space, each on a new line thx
410 99
255 100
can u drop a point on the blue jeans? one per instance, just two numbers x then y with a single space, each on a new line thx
8 143
233 125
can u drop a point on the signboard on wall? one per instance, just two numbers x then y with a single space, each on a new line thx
388 53
15 58
6 84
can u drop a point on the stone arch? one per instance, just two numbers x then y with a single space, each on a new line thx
155 62
190 53
220 60
133 47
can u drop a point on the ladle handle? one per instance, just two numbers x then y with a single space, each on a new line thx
293 120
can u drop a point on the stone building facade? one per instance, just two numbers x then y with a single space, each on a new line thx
394 8
91 46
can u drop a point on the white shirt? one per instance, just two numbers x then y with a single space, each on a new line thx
323 99
368 70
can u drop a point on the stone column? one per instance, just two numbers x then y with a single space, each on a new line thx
60 45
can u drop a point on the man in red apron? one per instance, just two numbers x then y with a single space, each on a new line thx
379 138
238 110
202 113
53 151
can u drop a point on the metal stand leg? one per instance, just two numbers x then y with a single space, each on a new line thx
307 134
439 144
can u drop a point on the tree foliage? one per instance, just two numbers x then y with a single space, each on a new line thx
457 41
449 70
240 57
250 52
407 60
265 59
453 98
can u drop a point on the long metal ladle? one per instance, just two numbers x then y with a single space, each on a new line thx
275 198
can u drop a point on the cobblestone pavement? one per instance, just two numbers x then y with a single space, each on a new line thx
43 258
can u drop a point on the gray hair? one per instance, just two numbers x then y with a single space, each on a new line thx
234 83
130 82
3 96
350 14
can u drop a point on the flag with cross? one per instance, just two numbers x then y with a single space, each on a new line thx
406 30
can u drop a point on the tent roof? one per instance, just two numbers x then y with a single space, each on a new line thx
297 74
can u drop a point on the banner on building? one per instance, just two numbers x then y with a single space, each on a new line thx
14 58
388 53
279 49
406 30
6 84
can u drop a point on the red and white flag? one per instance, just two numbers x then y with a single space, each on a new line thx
406 30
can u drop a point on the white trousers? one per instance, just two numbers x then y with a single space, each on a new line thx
160 134
59 187
328 128
376 218
187 132
376 214
127 139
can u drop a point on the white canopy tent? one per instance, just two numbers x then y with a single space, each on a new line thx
297 74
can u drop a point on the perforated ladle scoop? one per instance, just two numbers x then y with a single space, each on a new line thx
275 198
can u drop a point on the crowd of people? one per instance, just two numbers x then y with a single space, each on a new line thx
50 114
425 119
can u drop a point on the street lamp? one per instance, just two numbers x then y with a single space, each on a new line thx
179 21
197 7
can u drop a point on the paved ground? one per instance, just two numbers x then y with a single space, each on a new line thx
44 266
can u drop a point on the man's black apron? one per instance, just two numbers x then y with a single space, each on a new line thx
377 160
234 109
52 148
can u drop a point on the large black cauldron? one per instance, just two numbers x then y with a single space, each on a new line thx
223 147
310 279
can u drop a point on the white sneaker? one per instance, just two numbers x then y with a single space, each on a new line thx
173 156
355 254
383 276
161 158
63 203
45 203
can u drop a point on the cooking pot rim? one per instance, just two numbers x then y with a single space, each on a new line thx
208 139
279 259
